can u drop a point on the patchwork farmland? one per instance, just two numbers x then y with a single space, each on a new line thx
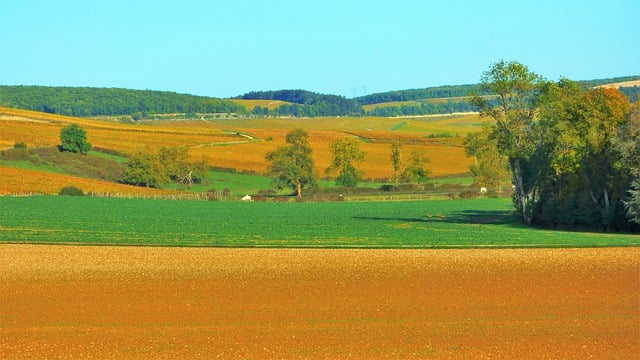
242 145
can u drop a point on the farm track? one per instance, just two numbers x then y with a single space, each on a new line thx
128 302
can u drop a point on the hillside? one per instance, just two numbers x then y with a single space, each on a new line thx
304 103
452 99
86 101
241 145
127 104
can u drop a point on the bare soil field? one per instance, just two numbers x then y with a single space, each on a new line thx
62 302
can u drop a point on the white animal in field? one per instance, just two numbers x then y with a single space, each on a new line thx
483 190
246 198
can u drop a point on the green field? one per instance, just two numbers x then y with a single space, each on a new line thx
451 223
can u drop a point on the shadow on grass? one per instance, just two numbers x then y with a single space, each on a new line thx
494 217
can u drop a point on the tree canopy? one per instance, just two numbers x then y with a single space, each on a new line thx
305 103
74 139
152 169
291 166
572 151
87 101
346 153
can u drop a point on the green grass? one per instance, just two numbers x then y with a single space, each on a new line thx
462 180
451 223
238 184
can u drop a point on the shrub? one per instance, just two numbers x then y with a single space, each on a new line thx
386 188
71 191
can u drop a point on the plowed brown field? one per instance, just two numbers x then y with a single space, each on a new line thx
62 302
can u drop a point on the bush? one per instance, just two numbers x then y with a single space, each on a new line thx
387 188
71 191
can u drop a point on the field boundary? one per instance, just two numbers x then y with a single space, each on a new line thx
329 247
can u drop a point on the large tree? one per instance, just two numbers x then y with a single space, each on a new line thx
74 139
291 166
346 152
514 111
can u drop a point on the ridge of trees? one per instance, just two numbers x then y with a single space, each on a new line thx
88 101
140 104
305 103
453 91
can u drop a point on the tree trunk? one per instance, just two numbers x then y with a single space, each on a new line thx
521 195
299 189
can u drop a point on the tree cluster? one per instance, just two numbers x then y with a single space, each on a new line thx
414 172
632 92
86 101
152 169
292 167
573 152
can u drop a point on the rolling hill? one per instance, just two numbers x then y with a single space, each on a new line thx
128 104
225 141
240 145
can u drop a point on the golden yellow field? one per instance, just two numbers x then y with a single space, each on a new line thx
243 143
20 181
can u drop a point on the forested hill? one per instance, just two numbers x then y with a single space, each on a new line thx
447 91
140 104
87 101
306 103
454 91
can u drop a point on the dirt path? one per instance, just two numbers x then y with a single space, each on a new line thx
108 302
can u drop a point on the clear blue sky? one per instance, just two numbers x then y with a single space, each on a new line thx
225 48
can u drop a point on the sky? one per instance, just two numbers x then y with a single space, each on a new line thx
225 48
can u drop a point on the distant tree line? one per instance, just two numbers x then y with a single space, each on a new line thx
632 92
420 94
598 82
451 91
424 108
140 104
305 104
86 101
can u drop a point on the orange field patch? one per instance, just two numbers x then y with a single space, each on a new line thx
178 303
21 181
